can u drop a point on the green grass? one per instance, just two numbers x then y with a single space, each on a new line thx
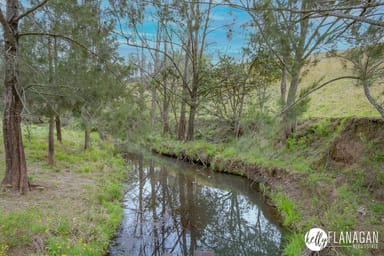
288 209
79 209
295 244
342 98
323 195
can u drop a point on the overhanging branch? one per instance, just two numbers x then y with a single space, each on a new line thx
67 38
301 98
32 9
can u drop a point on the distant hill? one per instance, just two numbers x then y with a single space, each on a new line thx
340 99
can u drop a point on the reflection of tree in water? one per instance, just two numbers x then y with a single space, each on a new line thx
169 213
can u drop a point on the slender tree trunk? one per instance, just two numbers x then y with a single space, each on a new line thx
58 129
289 117
15 164
157 67
372 100
153 105
283 85
51 141
87 133
182 121
239 114
191 122
193 107
165 113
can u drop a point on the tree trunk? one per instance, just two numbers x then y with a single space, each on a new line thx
193 107
15 164
51 141
182 122
289 117
283 85
191 122
372 100
153 105
238 115
165 113
87 133
58 129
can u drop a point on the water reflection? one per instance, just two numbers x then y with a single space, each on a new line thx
176 209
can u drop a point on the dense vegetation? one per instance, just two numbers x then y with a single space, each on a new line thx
264 107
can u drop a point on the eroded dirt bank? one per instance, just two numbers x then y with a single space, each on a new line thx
342 189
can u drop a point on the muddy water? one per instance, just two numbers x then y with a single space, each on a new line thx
173 208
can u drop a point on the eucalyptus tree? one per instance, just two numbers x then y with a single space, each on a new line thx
101 48
15 163
367 58
196 17
37 74
184 27
229 91
94 75
45 89
263 71
293 37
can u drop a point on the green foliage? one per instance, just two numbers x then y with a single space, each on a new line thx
378 208
65 246
296 144
322 128
110 192
342 215
287 208
198 147
20 227
294 245
84 227
3 249
67 157
229 152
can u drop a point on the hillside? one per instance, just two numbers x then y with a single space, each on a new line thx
340 99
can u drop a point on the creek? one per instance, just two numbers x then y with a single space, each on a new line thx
175 208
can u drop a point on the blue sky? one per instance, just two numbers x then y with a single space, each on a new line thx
222 18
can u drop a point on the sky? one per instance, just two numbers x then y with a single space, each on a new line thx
223 19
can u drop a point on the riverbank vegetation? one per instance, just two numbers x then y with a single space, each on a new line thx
312 180
74 207
296 106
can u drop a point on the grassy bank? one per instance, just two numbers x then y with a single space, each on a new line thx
74 207
308 180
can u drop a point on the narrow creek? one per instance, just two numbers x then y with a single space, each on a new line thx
174 208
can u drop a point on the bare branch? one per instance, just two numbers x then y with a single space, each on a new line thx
67 38
3 21
32 9
350 17
301 98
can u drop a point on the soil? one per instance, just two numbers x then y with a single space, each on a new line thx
65 192
349 148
